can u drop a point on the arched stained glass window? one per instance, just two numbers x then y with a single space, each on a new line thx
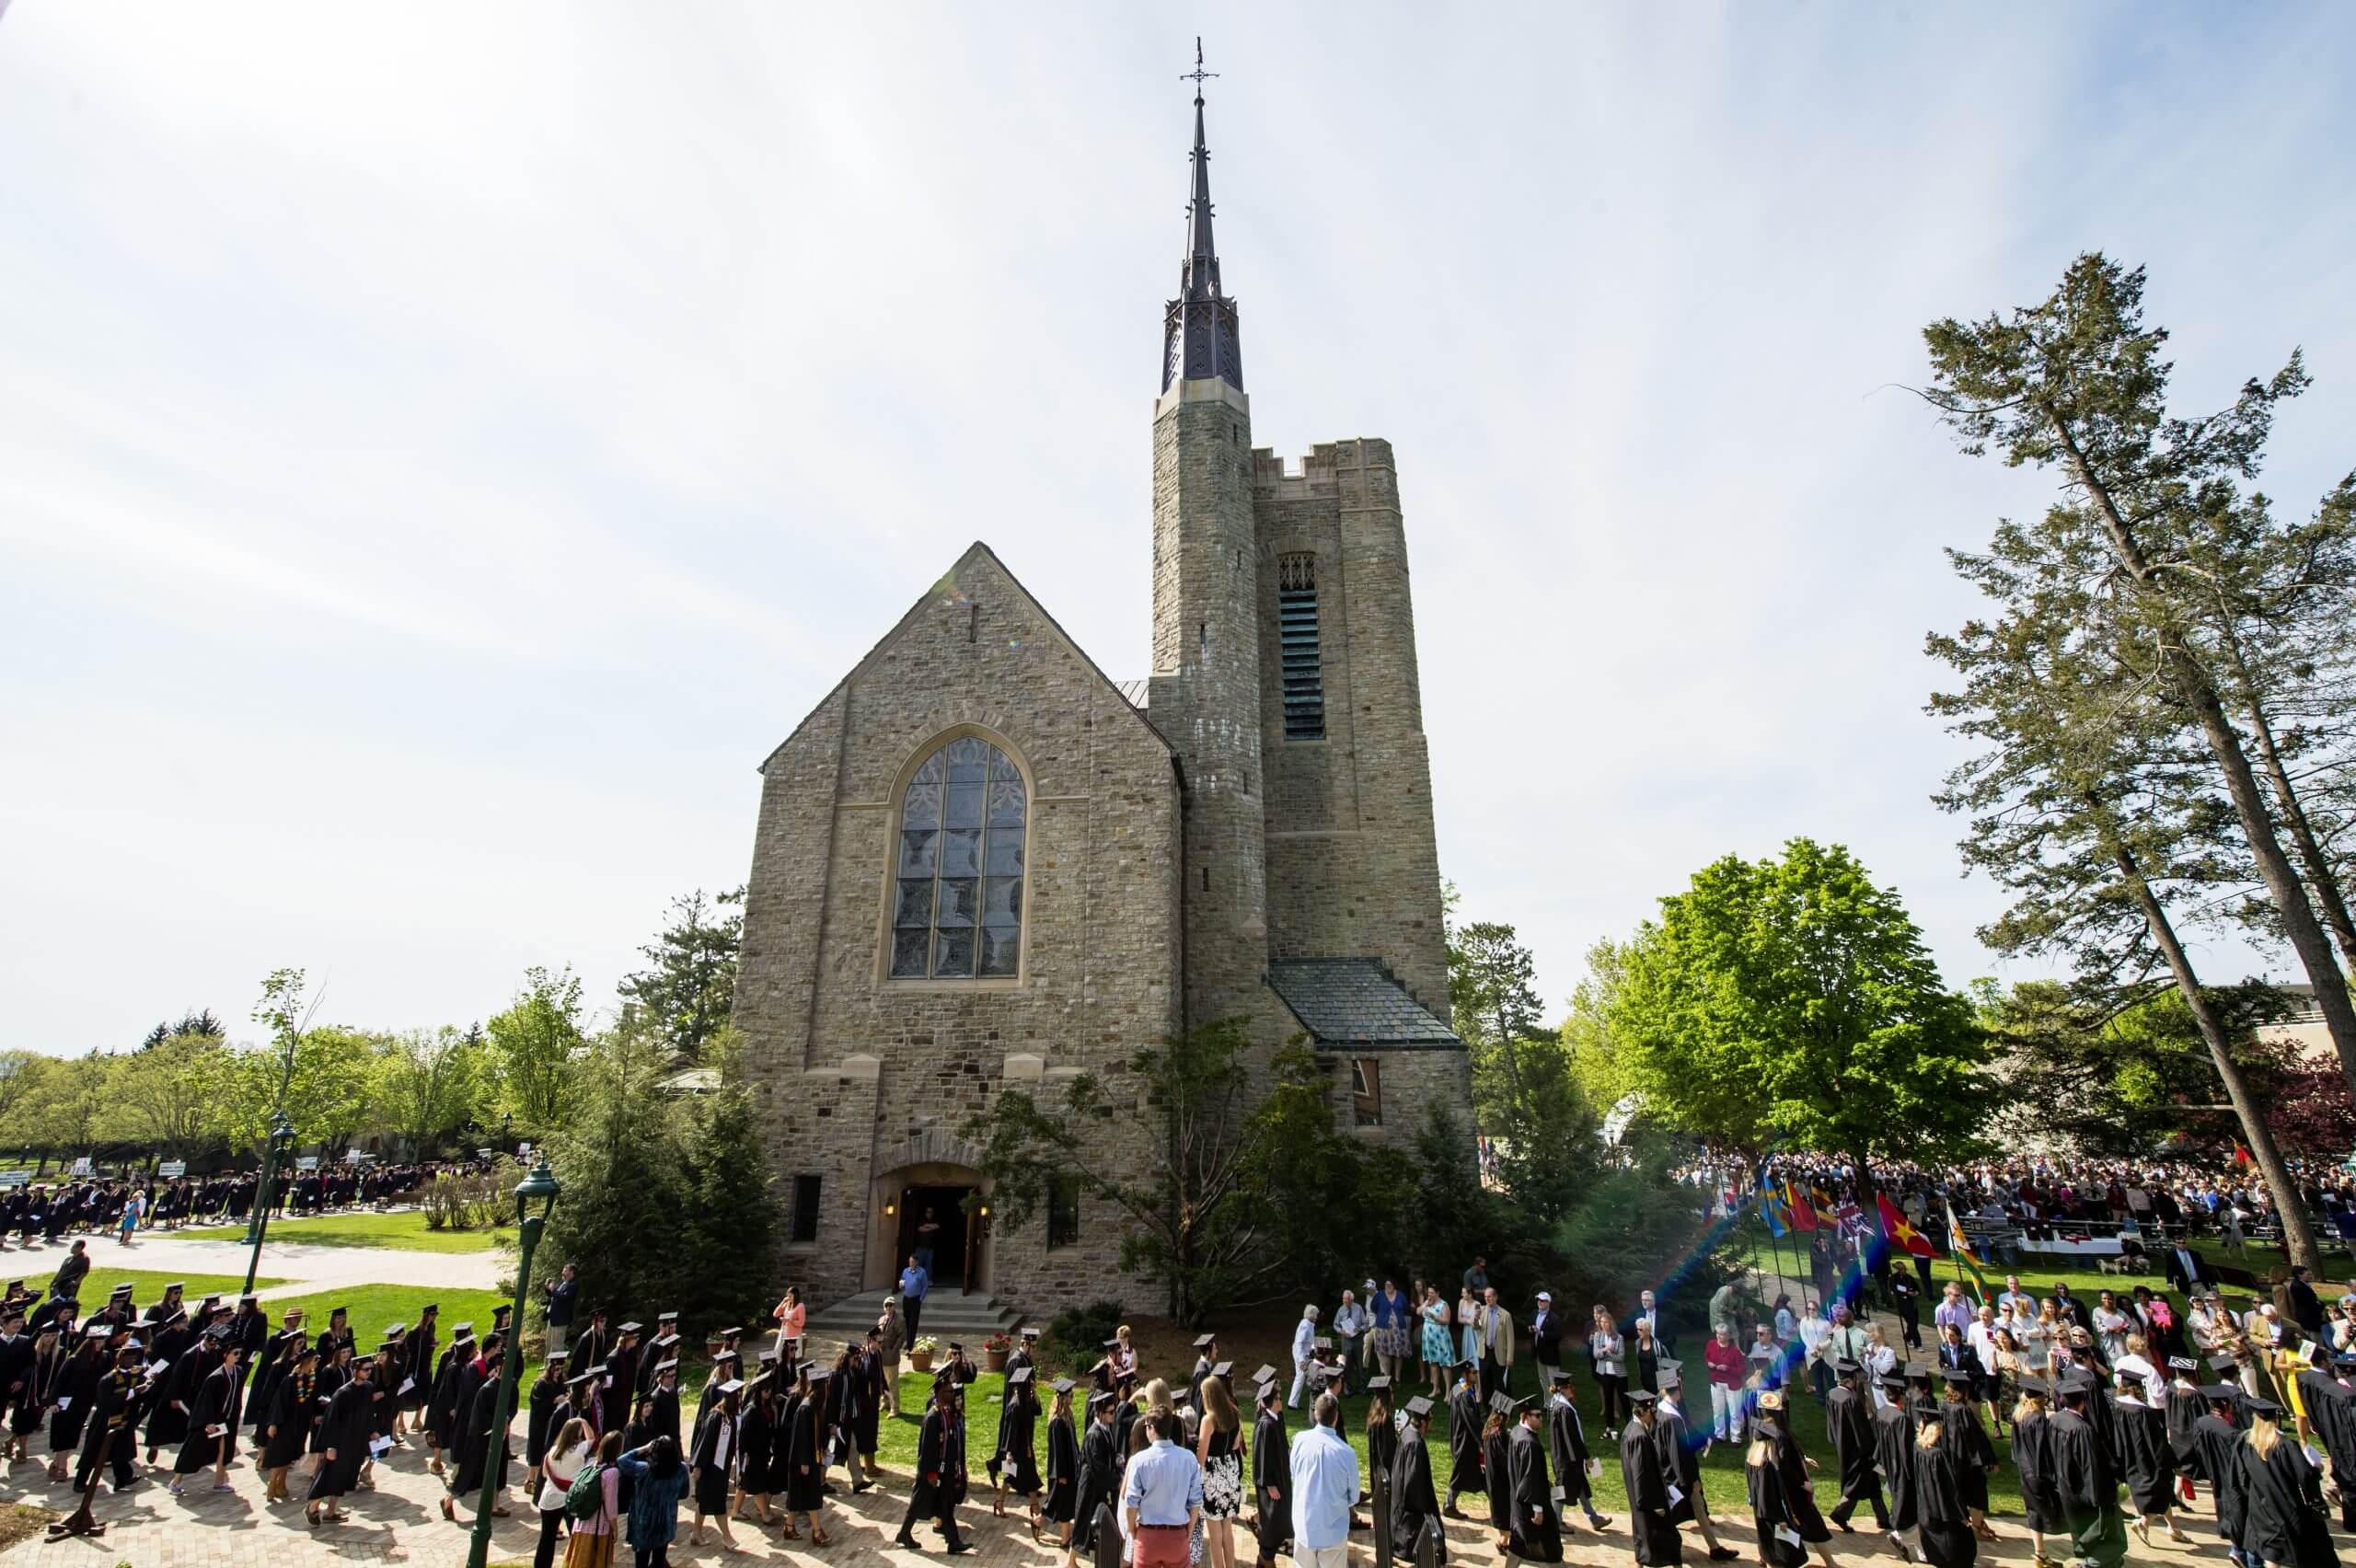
957 886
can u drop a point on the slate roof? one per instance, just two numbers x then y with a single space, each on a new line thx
1355 1001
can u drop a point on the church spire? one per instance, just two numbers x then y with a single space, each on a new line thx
1199 337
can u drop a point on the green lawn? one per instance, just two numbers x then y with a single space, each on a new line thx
405 1230
146 1285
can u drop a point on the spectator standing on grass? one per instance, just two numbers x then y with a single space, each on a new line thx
1161 1494
1546 1339
1350 1321
563 1292
1304 1349
1324 1489
1726 1367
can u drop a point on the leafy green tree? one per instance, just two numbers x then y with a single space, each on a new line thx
431 1084
23 1076
691 982
534 1044
2076 383
323 1078
1790 1001
1523 1092
1176 1142
167 1095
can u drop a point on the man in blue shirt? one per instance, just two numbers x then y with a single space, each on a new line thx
914 1283
1324 1489
1162 1496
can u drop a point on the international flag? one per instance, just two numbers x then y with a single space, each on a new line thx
1961 1245
1901 1235
1803 1216
1771 1209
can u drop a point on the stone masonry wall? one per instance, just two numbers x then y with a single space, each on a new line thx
1100 969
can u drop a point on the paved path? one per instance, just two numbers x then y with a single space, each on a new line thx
400 1522
305 1269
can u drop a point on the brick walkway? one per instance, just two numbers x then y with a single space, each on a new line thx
400 1522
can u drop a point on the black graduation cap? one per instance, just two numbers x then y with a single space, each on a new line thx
767 1359
1419 1407
1113 1344
734 1386
121 1290
2225 1391
421 1312
1502 1402
2345 1359
95 1331
2031 1386
1019 1375
820 1374
1266 1392
1266 1374
557 1357
174 1316
501 1311
1521 1407
1062 1385
1204 1342
662 1339
670 1365
1100 1398
2223 1364
463 1332
1894 1383
175 1285
631 1329
1321 1344
1641 1397
396 1331
1954 1374
575 1382
957 1349
2263 1407
1030 1333
1223 1369
671 1318
2183 1364
1846 1369
389 1346
339 1311
1377 1383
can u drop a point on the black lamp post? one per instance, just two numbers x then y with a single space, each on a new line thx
540 1189
274 1153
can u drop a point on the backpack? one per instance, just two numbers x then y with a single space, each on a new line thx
585 1498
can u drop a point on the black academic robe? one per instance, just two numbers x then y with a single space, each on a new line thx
1894 1458
270 1363
663 1414
540 1418
44 1373
941 1467
1272 1483
1537 1528
1961 1436
1017 1425
343 1432
1494 1461
287 1426
449 1396
719 1437
2032 1448
2184 1409
804 1458
415 1364
1465 1473
757 1433
1849 1427
1943 1517
216 1404
328 1382
2332 1410
2087 1487
116 1404
2285 1498
77 1384
1100 1471
1769 1511
1415 1505
176 1385
1063 1472
1641 1472
1792 1465
478 1451
2148 1460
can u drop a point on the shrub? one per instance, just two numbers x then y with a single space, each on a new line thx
1076 1339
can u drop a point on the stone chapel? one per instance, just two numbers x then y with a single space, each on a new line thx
981 863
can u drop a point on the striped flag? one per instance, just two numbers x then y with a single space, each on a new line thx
1961 1245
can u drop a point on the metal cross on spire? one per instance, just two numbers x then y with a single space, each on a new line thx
1197 76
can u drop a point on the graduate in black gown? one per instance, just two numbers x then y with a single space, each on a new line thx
941 1471
2032 1449
542 1420
176 1381
1016 1463
718 1449
1272 1474
343 1440
805 1453
874 1379
1099 1480
110 1436
1944 1518
1494 1460
443 1400
285 1430
2286 1526
2146 1459
482 1451
70 1399
2083 1480
213 1420
1966 1441
2214 1457
1467 1414
1778 1537
1061 1503
1537 1526
2331 1411
1414 1502
1849 1427
413 1375
277 1352
660 1404
1894 1456
1680 1459
756 1431
1641 1472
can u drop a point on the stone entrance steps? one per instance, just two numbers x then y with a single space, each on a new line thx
947 1315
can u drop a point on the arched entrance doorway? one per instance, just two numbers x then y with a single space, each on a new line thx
929 1199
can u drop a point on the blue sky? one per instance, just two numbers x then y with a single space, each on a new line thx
443 448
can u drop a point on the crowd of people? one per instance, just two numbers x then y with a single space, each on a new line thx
48 1212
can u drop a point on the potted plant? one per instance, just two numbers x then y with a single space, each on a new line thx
994 1351
921 1353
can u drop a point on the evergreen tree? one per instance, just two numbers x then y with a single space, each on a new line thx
690 983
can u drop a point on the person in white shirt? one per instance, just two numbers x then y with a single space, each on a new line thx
1351 1321
1981 1336
1304 1350
1815 1333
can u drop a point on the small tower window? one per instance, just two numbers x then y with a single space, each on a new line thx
1366 1092
1303 670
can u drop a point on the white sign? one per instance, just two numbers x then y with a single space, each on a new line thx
307 1162
523 1149
171 1168
15 1178
82 1166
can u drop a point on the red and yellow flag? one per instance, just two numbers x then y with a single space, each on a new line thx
1803 1216
1900 1234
